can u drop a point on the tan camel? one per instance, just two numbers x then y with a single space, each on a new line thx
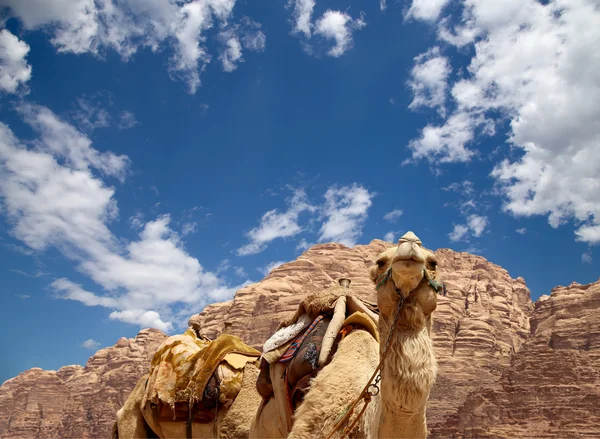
133 421
409 369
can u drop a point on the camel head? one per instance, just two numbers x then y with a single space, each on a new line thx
405 273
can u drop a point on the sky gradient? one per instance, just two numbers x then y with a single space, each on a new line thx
156 156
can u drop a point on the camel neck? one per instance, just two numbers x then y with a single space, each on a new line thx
408 374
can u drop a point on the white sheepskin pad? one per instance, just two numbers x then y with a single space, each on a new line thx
284 335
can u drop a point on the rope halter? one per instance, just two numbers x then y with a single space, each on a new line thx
440 288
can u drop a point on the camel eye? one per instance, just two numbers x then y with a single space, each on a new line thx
432 264
381 262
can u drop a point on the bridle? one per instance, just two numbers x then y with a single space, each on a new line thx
372 387
440 288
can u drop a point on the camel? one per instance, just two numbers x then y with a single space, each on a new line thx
139 418
406 273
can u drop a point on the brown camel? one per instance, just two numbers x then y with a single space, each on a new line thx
406 273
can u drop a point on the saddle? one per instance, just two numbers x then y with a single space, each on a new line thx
334 313
191 374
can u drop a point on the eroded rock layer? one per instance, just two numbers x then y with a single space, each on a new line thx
76 401
552 387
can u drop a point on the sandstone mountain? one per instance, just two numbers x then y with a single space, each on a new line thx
506 367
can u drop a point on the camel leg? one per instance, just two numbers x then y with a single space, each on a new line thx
130 421
236 421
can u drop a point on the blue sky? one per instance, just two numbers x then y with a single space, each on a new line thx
156 156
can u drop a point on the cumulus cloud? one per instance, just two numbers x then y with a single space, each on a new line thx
458 233
303 244
90 115
391 236
269 267
332 25
429 80
393 215
586 258
533 71
476 225
521 231
246 35
426 9
302 16
240 272
91 344
14 70
53 196
345 213
338 26
127 120
275 224
127 26
189 228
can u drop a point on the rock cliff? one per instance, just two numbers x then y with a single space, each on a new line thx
551 388
493 347
76 401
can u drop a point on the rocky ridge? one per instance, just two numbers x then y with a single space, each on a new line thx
551 389
76 401
483 329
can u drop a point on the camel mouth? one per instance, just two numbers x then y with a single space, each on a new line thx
408 258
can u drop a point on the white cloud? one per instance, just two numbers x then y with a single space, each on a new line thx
304 245
533 70
189 228
521 231
393 215
303 10
14 70
91 344
338 26
269 267
458 233
137 221
232 52
60 139
23 296
53 198
240 272
429 80
127 120
391 236
426 9
382 5
90 115
126 26
345 213
253 38
586 258
477 224
275 224
142 317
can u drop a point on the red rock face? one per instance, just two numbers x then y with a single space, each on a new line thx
489 364
76 401
552 387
